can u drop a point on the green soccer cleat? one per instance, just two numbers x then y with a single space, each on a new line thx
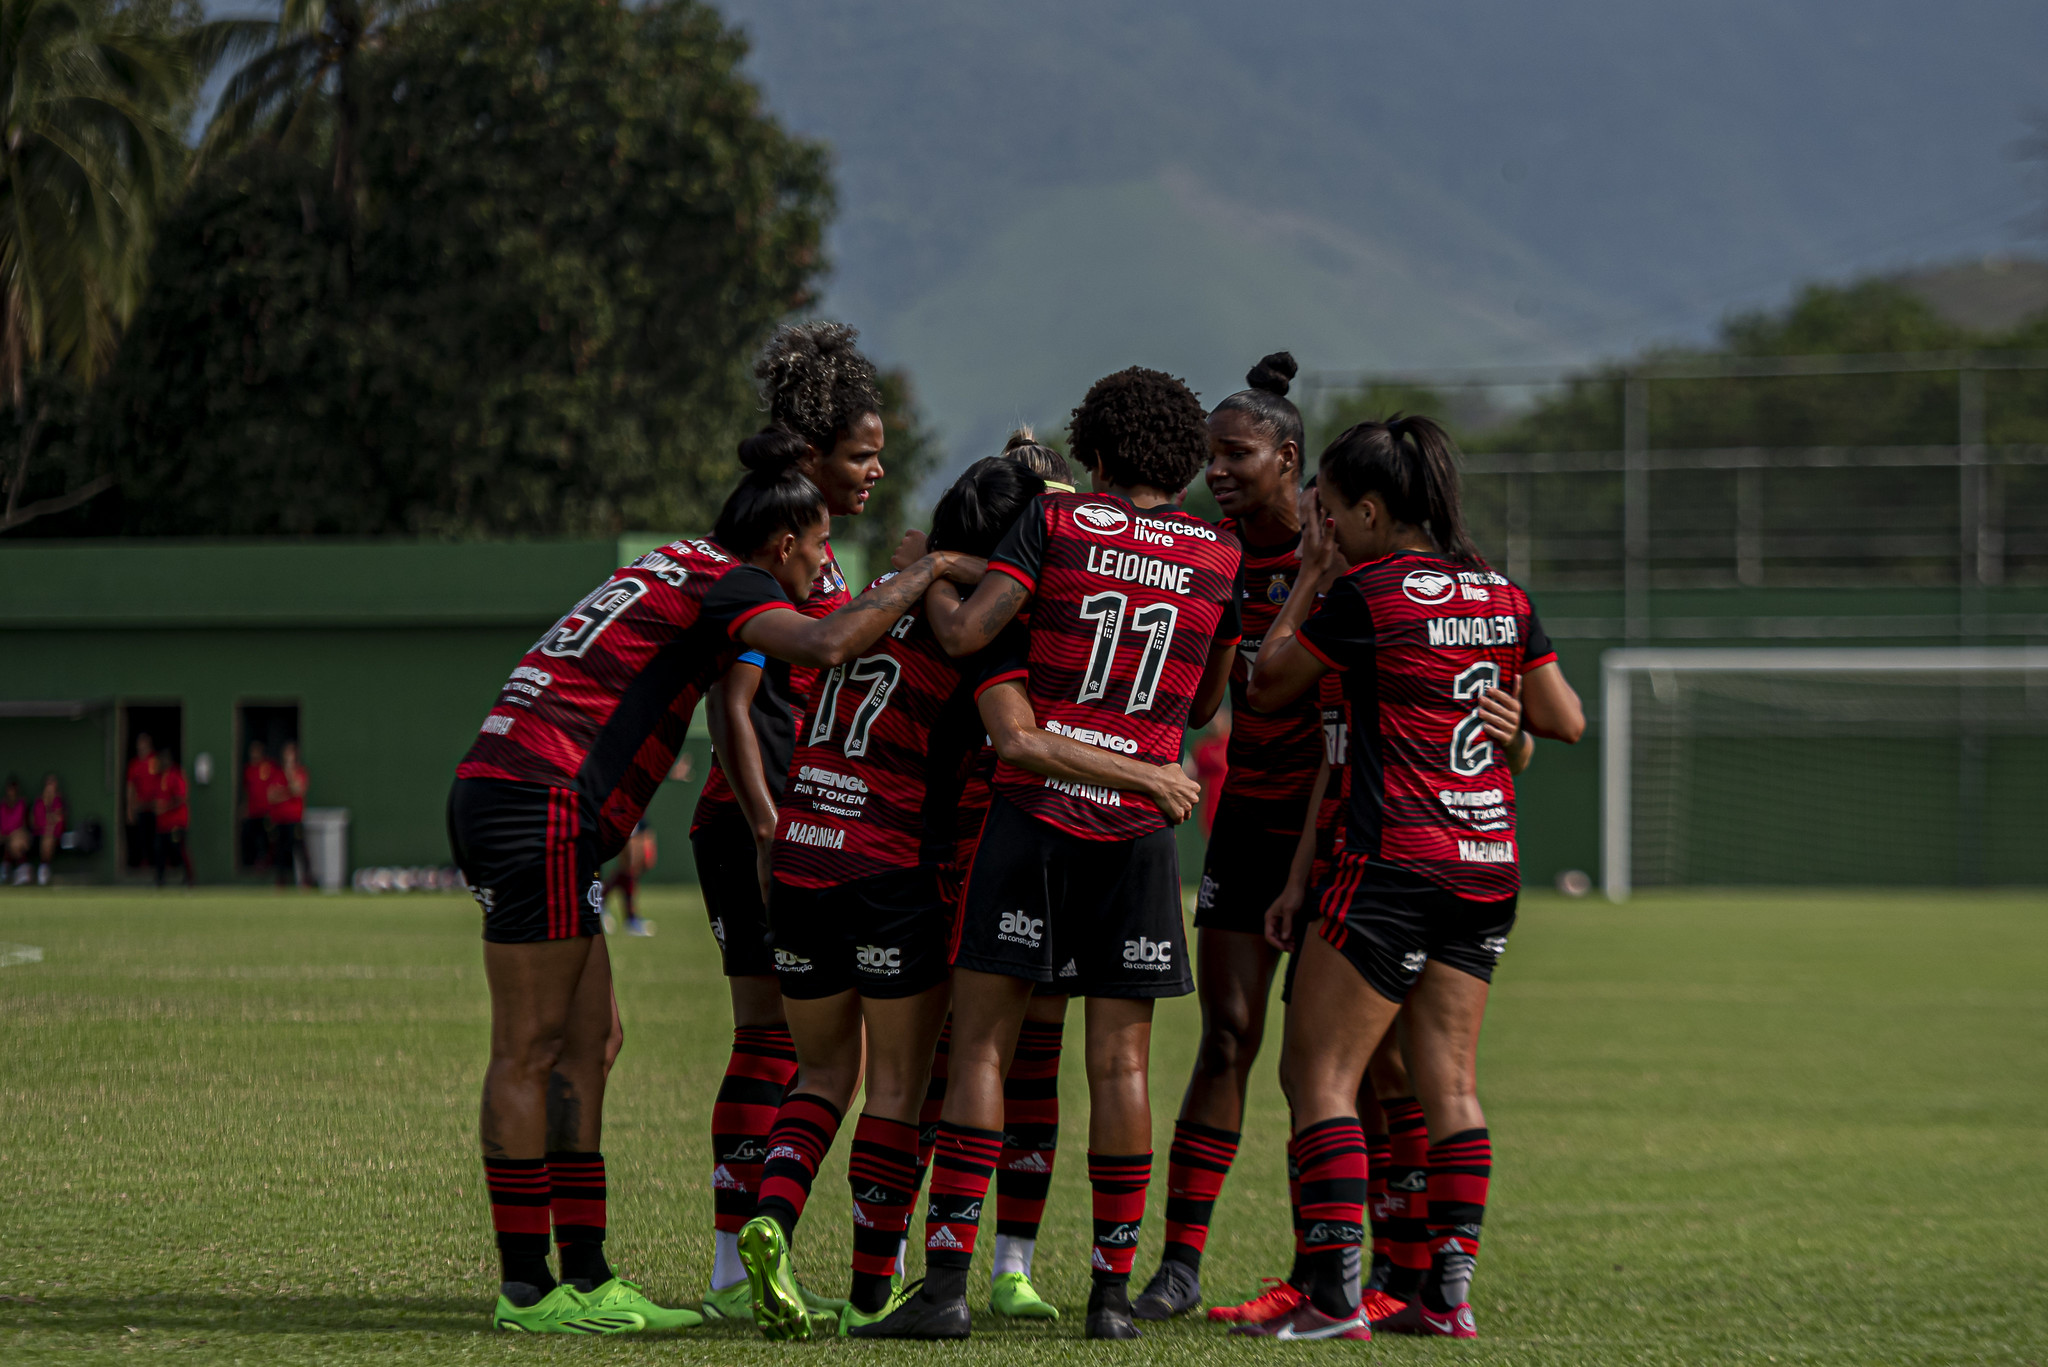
735 1302
620 1294
851 1318
826 1306
1013 1295
564 1310
779 1307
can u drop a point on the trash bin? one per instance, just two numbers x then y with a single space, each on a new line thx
326 830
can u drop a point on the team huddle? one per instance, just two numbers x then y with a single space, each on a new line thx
944 808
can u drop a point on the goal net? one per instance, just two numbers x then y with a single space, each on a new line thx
1824 767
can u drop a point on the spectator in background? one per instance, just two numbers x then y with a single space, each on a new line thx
173 819
287 811
142 785
14 832
258 777
46 819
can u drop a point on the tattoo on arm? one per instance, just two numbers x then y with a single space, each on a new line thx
1002 606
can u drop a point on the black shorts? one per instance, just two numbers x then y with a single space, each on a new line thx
886 936
1244 870
724 847
530 857
1389 923
1089 918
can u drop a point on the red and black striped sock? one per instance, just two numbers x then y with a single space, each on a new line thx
1195 1168
1297 1276
1376 1154
1332 1156
1460 1169
1118 1181
1031 1130
757 1076
962 1163
576 1200
519 1213
1407 1196
804 1129
882 1170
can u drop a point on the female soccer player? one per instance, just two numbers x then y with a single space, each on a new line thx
560 773
1422 897
862 927
1132 629
824 409
1255 440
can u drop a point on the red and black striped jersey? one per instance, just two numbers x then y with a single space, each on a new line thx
1331 811
1272 755
1126 604
601 703
875 784
1419 638
782 690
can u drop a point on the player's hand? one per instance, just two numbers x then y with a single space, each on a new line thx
909 551
961 569
1174 792
1322 560
1281 915
1500 714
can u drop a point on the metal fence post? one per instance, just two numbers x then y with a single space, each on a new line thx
1972 566
1615 829
1635 499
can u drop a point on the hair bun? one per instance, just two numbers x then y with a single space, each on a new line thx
1273 373
772 451
1021 437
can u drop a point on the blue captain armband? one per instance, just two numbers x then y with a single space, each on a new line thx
752 657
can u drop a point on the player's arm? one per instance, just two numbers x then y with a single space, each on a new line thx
968 625
1280 932
728 712
824 642
1550 706
1500 714
1014 731
1285 670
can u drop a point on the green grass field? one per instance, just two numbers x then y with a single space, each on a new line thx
1790 1129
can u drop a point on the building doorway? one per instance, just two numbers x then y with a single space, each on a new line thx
264 730
160 728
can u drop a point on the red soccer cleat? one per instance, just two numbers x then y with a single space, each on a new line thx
1417 1318
1304 1321
1378 1305
1276 1300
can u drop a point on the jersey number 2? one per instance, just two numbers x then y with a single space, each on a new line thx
1107 610
880 673
1471 749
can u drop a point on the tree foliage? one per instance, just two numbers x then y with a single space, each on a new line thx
577 225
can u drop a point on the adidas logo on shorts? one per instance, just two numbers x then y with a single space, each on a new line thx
1496 945
1413 960
1070 971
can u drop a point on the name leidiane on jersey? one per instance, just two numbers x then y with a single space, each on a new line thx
1144 570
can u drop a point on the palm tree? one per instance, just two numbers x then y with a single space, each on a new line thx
89 94
304 85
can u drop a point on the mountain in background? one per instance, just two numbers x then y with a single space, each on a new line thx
1037 192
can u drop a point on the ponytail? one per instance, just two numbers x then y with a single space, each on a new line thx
772 450
1412 464
764 506
1035 456
973 515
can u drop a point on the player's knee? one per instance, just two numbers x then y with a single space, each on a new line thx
1228 1047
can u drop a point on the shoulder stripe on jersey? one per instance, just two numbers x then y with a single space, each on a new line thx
1005 567
1539 662
1007 676
751 613
1233 642
1310 647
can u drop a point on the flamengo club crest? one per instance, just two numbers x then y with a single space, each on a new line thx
1431 588
1104 519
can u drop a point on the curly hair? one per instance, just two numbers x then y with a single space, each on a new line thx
815 382
1141 427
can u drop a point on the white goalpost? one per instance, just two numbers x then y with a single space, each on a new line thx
1823 766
